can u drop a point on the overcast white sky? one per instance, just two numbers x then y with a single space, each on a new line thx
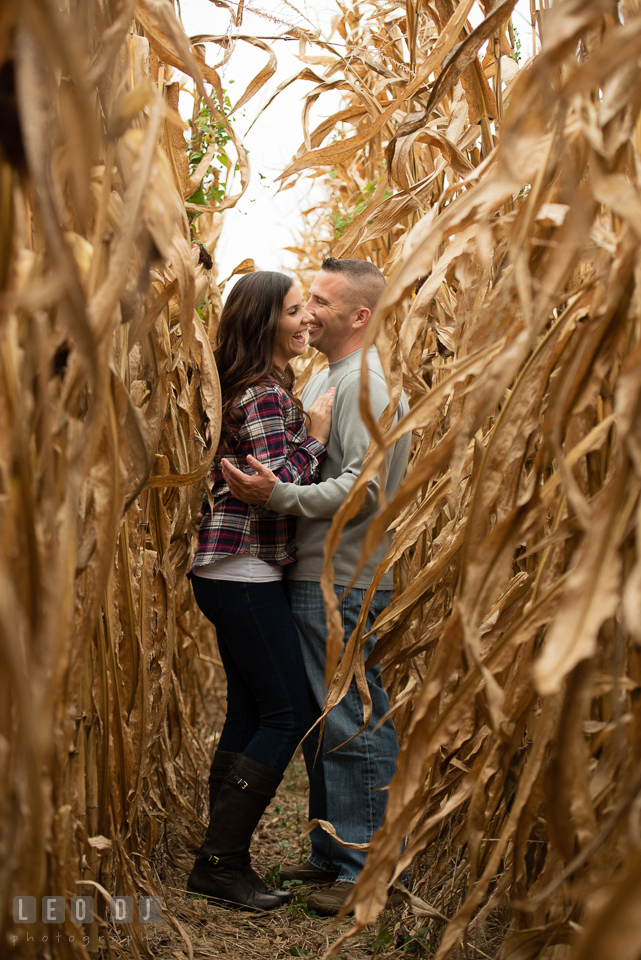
264 221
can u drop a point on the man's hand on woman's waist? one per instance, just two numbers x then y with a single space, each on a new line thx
254 488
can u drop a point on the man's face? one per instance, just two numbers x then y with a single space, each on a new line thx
330 329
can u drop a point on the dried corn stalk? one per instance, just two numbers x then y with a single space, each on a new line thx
507 217
109 410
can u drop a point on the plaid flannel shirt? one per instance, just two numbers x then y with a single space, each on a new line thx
274 432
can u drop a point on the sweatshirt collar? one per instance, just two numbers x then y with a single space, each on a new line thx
337 364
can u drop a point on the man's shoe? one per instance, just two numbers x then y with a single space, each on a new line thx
328 902
306 873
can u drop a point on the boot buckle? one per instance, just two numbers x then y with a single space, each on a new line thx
213 858
243 784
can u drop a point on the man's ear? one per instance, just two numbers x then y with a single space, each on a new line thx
362 318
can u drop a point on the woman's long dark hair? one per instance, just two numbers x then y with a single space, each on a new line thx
246 340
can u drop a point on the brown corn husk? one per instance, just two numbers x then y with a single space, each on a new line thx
110 411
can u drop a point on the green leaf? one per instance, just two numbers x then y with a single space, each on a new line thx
382 940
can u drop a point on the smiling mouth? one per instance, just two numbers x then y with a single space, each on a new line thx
300 337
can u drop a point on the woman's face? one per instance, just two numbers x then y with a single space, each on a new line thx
291 339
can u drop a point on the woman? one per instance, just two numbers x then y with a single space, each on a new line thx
237 573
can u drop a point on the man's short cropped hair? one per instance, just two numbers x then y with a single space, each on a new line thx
366 281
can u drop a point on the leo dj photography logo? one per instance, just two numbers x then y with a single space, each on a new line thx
81 910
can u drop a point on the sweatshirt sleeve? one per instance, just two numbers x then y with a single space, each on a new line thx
264 436
323 499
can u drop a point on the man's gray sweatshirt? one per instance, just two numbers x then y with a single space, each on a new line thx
315 505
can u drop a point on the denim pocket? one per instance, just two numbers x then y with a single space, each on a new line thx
207 594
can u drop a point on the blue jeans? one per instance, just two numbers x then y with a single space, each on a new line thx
346 786
268 710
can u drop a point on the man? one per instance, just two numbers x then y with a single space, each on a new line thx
347 785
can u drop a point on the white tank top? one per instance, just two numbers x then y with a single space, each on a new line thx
240 567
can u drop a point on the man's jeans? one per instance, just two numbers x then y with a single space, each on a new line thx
346 786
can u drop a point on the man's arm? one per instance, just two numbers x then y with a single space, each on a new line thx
319 500
254 488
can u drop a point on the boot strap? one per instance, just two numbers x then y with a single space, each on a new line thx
250 789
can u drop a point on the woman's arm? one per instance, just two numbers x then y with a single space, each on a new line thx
264 436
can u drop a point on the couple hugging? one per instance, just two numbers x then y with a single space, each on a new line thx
256 577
